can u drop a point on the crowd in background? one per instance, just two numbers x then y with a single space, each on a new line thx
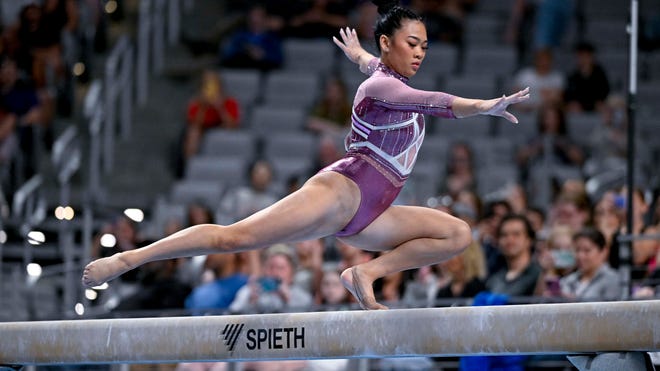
566 249
40 44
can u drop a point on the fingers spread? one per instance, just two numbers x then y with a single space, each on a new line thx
510 117
338 43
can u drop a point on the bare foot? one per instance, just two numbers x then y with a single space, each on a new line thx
361 289
103 270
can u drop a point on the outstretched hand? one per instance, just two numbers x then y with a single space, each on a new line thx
350 44
498 106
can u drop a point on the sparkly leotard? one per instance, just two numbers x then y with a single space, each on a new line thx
386 134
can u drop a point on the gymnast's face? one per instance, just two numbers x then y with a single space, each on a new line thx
406 48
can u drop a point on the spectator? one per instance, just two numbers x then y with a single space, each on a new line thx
320 20
552 140
422 289
329 151
466 272
254 46
519 28
608 141
543 79
552 20
332 294
331 115
309 255
445 20
538 24
607 217
517 198
20 100
557 259
460 169
210 108
537 218
8 150
275 290
521 274
39 36
572 209
650 286
242 201
643 251
366 15
594 278
40 50
487 227
246 200
587 85
220 292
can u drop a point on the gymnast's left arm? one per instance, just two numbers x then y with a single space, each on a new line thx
464 107
397 95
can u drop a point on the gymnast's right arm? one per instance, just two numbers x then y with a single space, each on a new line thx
350 45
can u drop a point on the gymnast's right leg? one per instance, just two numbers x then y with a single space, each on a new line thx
324 205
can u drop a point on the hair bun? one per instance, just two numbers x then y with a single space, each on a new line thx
384 6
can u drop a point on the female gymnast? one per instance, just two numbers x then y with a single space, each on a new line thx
352 198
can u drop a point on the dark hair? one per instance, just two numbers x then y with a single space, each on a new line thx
391 17
593 235
536 210
517 217
257 161
489 209
584 46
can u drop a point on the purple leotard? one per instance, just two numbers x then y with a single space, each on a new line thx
386 134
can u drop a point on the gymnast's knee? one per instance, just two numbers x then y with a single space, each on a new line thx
462 235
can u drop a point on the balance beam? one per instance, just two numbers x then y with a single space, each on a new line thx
575 328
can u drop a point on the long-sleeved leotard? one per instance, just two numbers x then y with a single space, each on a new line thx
386 133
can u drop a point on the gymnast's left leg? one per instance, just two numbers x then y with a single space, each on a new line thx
417 236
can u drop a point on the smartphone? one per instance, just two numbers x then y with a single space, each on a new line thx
563 259
269 284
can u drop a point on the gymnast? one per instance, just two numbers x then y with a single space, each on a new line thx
352 198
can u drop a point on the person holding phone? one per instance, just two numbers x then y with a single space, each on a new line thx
275 290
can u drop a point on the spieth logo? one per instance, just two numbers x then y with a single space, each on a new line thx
231 334
264 338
